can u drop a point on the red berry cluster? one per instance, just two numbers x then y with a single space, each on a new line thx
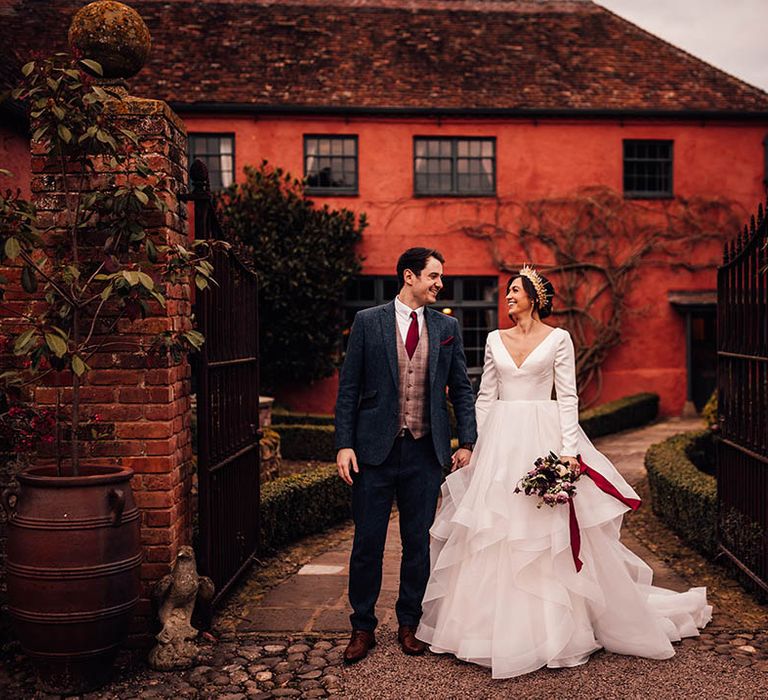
24 427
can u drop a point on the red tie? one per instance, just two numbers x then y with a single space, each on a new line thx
412 339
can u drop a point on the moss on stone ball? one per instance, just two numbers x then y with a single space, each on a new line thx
112 34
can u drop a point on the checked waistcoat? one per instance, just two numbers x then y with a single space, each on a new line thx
413 401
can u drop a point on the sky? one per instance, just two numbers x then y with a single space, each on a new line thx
729 34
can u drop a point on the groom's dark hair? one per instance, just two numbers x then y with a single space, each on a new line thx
415 260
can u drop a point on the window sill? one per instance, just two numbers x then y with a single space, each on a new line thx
454 195
316 192
649 195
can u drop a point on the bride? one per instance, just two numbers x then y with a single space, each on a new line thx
504 590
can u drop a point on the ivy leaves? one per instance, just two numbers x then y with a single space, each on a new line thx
107 257
66 107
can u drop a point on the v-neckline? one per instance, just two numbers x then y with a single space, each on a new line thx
525 359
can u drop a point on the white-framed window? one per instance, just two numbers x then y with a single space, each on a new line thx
217 151
454 166
330 164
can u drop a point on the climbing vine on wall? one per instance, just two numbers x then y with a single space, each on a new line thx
594 244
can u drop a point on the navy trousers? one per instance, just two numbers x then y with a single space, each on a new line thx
412 475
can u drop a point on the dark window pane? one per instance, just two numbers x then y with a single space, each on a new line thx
447 292
647 168
470 289
390 289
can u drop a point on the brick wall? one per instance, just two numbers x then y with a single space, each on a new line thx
145 410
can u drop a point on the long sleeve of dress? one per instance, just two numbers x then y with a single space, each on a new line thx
567 397
489 387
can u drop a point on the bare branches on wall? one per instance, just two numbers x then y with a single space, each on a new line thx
594 244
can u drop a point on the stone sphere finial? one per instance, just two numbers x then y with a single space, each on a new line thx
112 34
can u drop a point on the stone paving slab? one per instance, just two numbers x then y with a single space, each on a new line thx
307 591
627 449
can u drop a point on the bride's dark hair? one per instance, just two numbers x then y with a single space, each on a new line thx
545 309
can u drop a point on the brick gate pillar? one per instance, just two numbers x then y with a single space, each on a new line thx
144 408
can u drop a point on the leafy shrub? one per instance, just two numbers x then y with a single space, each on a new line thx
307 442
304 257
709 412
303 504
683 496
613 416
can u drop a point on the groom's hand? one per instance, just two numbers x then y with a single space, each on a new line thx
460 458
346 463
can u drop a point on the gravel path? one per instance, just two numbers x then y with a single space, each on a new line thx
387 674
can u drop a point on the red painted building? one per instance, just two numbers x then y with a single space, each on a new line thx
444 120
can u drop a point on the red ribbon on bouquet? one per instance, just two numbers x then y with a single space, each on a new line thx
604 485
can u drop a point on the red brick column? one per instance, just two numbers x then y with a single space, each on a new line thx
144 408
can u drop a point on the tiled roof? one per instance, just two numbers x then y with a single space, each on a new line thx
545 55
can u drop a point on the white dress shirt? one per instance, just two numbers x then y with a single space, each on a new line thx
403 316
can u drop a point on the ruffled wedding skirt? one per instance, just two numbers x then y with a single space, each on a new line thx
504 591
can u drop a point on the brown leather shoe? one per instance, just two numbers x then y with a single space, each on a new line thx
406 635
360 644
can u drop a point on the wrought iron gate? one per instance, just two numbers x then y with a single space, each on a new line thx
742 359
227 375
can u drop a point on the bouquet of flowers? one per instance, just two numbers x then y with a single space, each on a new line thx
551 479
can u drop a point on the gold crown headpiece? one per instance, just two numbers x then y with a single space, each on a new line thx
536 281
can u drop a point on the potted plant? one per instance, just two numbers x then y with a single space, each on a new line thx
74 550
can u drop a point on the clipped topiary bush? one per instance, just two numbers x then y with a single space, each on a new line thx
701 451
303 504
306 442
683 496
622 414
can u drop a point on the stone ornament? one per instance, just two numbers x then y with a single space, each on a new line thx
176 594
112 34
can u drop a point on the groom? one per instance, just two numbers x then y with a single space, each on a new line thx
393 438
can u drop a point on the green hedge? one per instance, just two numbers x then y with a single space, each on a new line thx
628 412
313 439
283 417
307 442
303 504
684 497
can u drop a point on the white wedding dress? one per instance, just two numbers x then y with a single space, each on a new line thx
504 591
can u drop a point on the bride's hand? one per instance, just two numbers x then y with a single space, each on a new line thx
460 458
572 462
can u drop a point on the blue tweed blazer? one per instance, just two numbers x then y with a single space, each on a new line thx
367 402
